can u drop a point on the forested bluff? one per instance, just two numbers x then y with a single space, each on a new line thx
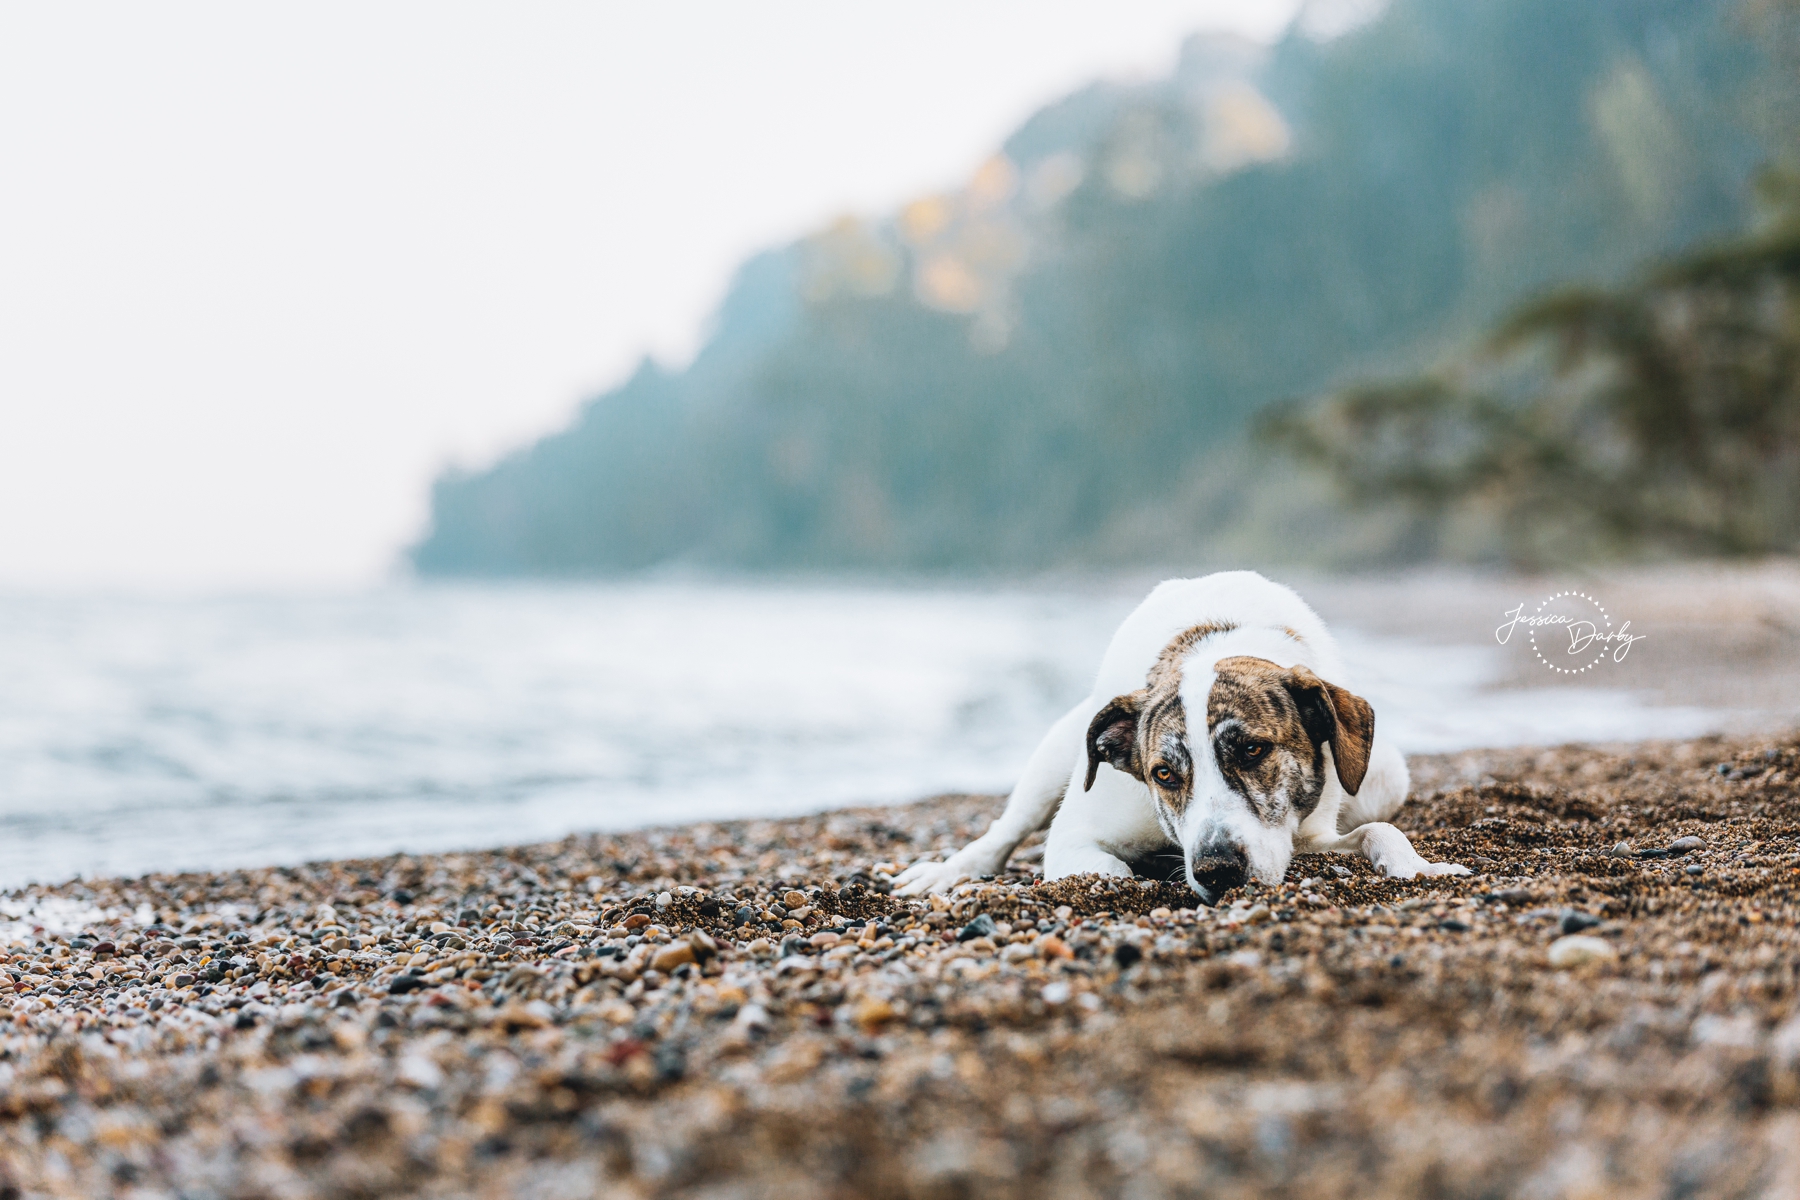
1061 363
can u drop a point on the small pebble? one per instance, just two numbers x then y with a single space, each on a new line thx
981 926
872 1013
1577 949
1686 845
672 956
1574 920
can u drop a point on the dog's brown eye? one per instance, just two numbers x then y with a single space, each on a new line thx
1256 750
1163 775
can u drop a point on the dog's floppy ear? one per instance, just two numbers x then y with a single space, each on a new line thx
1112 736
1331 714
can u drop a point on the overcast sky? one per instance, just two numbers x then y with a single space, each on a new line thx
265 269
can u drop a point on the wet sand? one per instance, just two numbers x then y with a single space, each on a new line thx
743 1010
1716 635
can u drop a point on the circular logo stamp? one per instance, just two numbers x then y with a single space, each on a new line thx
1570 632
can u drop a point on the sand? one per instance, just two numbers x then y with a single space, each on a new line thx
1605 1008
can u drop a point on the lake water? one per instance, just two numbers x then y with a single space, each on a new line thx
144 734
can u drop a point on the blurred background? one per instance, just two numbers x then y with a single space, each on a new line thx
436 425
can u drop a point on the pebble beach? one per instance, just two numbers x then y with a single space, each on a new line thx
1609 1006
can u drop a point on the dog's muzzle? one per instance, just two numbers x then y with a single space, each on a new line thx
1215 870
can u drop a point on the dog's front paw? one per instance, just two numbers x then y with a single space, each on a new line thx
1389 852
921 879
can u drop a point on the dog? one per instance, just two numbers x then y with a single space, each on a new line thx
1220 726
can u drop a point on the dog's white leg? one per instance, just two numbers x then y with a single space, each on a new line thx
1387 849
1383 790
1029 808
1061 861
1095 827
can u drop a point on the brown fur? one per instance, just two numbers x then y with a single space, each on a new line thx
1351 727
1289 714
1166 671
1263 746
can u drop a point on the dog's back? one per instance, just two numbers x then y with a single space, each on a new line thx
1237 600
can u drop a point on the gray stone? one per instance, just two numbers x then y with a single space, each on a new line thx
1573 920
981 926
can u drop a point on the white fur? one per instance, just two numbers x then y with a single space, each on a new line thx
1099 830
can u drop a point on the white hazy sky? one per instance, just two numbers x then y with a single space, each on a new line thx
265 268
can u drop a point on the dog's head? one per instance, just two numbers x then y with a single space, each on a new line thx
1232 788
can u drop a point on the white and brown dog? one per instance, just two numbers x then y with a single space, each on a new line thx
1219 726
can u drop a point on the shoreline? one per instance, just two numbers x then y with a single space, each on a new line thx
740 1008
254 731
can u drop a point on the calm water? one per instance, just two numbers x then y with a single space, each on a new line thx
142 735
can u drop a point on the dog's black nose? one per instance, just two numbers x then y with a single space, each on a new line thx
1218 869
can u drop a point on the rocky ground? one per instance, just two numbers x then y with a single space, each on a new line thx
1609 1007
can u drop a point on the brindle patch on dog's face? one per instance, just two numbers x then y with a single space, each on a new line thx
1261 741
1144 733
1268 724
1168 765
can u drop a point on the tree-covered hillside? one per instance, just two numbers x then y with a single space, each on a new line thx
1056 364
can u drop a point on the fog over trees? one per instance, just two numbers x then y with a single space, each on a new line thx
1065 361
